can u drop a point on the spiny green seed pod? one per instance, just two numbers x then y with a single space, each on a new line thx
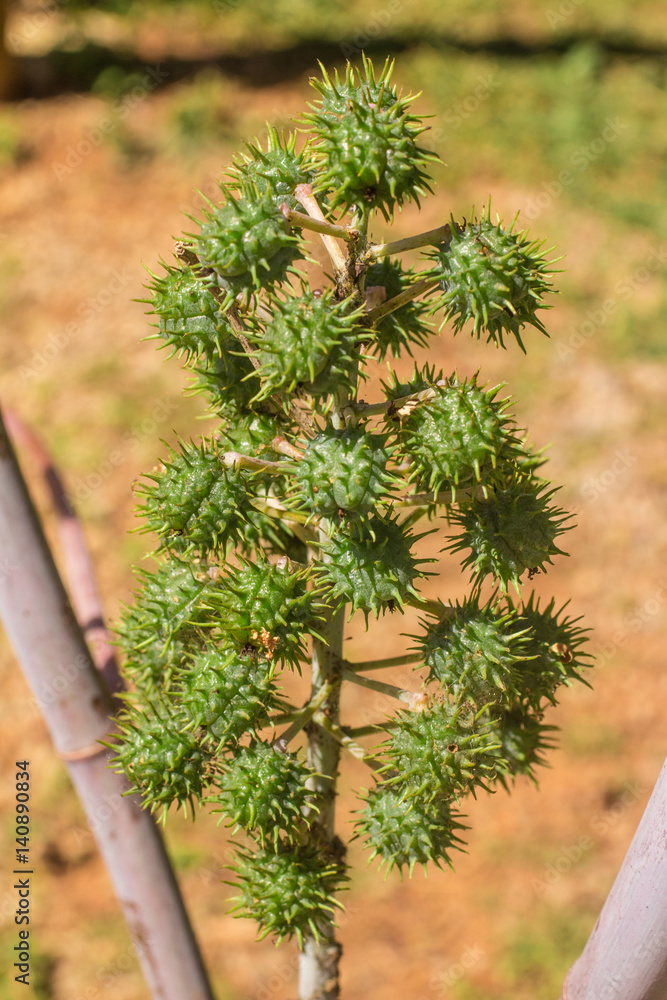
190 317
263 790
242 238
372 566
510 531
366 141
309 343
458 436
288 892
165 763
446 749
554 651
277 169
344 472
423 380
196 502
524 739
473 652
226 694
404 830
491 277
167 607
267 608
405 327
228 380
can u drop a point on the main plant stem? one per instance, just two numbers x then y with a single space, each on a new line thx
319 960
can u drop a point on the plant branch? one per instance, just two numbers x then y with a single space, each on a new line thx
411 698
316 225
401 406
304 194
433 237
303 717
49 645
346 741
78 565
437 608
373 316
234 460
392 661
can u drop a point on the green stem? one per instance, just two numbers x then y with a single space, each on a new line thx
433 237
346 233
304 716
392 661
371 730
436 608
344 739
319 960
234 460
391 690
391 305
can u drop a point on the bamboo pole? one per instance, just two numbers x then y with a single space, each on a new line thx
626 955
48 643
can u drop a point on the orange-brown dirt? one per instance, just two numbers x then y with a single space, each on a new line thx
102 392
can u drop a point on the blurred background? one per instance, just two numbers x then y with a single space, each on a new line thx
114 116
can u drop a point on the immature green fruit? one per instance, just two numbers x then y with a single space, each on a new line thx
405 327
473 652
371 566
404 831
168 611
264 791
166 763
242 238
524 738
366 146
491 277
228 380
554 653
344 472
277 169
445 750
510 531
309 344
195 502
267 608
190 318
225 694
459 436
289 892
